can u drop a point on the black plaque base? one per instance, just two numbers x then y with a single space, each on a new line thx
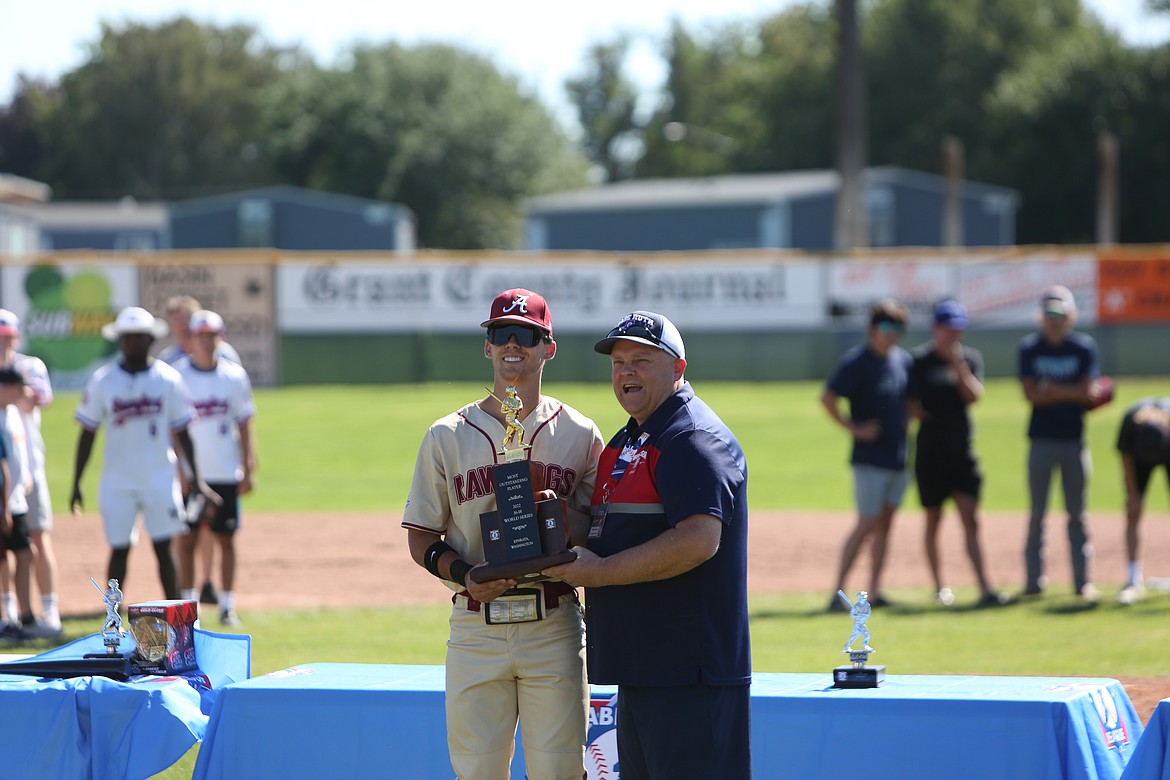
119 667
551 551
859 676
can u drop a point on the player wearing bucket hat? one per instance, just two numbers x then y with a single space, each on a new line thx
145 403
134 320
36 393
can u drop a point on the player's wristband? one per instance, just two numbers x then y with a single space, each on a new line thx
433 554
459 569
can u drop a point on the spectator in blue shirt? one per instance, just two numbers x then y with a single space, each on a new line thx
1058 371
873 378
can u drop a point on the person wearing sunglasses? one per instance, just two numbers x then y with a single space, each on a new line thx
873 377
1058 372
501 672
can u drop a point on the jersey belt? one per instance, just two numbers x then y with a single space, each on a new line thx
552 595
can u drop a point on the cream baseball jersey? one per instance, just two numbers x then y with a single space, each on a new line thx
36 376
222 397
139 411
452 482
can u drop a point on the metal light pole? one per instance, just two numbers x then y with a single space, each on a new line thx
1107 192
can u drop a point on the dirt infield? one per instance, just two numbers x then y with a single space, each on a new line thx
292 561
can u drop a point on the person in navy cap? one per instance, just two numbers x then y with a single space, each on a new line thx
665 568
946 377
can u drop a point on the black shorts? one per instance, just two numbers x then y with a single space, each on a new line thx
18 539
939 477
1142 471
223 519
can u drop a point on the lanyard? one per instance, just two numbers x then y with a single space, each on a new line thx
629 449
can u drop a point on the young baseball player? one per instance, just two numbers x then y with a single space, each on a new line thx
37 393
144 402
179 310
222 431
16 584
499 672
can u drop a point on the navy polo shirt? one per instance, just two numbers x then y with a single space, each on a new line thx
876 389
691 629
1069 361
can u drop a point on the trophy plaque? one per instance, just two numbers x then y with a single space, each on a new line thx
858 674
523 536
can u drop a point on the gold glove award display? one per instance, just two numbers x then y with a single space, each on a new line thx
523 535
858 675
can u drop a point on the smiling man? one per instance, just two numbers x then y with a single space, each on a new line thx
665 570
498 672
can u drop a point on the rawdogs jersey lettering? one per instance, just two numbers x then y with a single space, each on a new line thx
122 410
477 482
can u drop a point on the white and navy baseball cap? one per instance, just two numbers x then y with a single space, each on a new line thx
134 319
519 306
9 323
205 321
1058 300
645 327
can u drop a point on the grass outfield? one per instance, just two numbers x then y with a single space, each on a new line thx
339 449
352 448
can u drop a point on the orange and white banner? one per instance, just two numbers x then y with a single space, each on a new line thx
1134 287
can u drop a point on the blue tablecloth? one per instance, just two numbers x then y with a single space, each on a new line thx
1151 759
366 720
94 727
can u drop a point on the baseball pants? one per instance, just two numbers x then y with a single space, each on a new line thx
532 671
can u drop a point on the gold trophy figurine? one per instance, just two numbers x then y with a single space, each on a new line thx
511 406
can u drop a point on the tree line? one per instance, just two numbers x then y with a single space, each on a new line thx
179 109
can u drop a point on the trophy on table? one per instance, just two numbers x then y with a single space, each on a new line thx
523 536
857 674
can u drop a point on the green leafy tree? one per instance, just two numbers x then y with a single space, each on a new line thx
436 128
606 102
159 112
1045 119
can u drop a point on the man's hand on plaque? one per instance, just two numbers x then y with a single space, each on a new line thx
585 571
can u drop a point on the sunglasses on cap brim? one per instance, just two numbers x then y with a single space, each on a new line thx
499 335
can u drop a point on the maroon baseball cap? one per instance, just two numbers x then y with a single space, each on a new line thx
520 307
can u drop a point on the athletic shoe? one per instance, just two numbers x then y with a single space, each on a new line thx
1089 593
881 602
228 617
47 628
1131 593
994 599
944 598
14 634
208 595
836 605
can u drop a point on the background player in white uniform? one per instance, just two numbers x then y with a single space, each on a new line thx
143 402
497 673
37 394
16 581
179 310
222 431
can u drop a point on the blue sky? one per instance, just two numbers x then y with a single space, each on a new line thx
541 42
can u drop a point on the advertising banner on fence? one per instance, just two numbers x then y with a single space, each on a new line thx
1006 292
241 294
1134 287
856 285
388 296
62 308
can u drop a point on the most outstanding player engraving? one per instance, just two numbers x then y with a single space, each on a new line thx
858 675
523 535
